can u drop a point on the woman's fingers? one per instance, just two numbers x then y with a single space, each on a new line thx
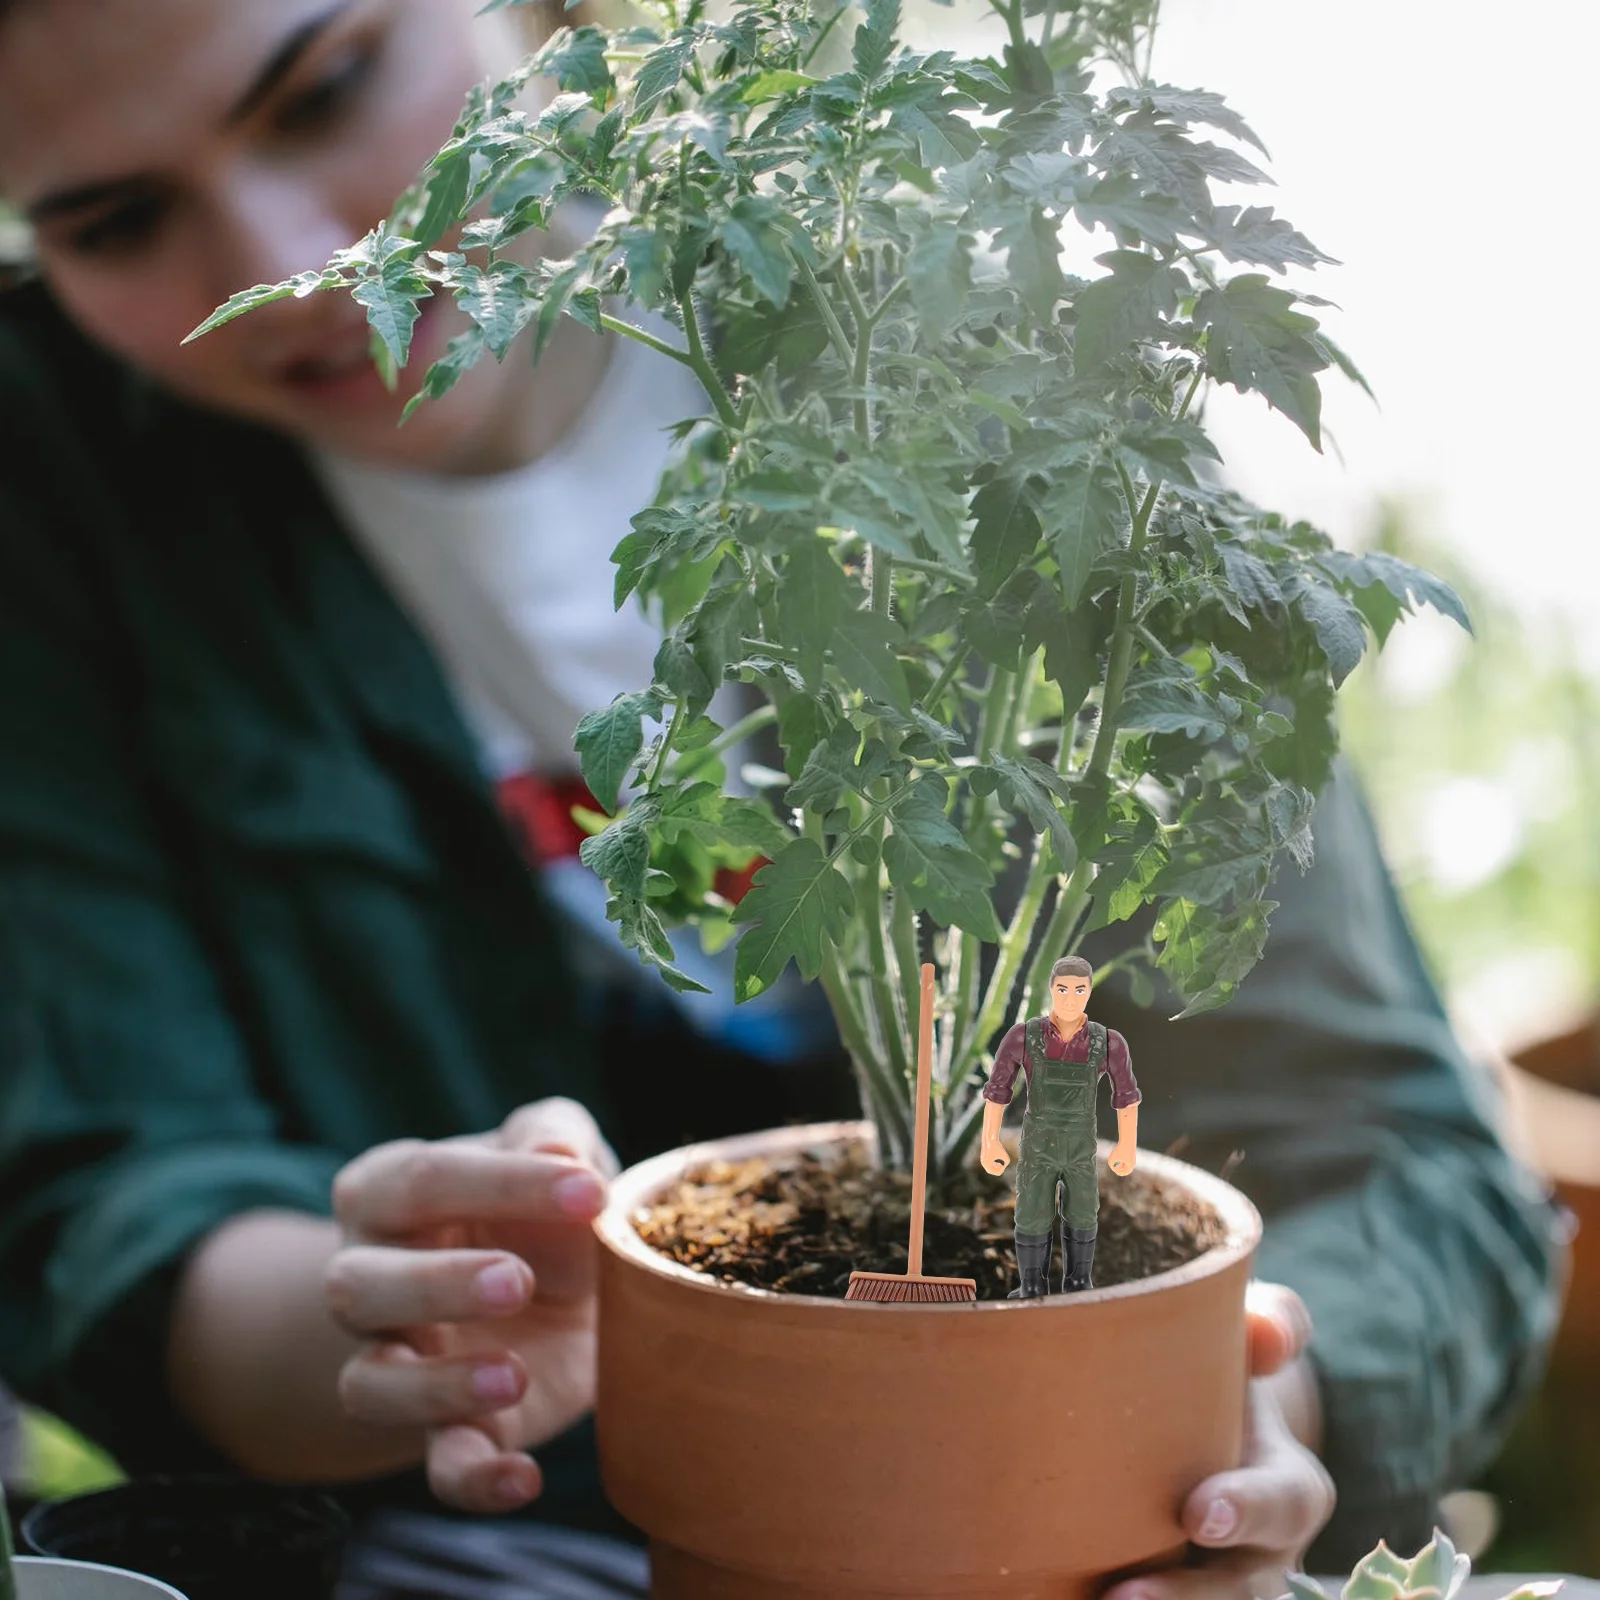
383 1289
404 1188
468 1470
1238 1575
392 1385
1278 1326
560 1125
1277 1500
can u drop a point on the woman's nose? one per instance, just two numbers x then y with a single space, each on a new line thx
273 225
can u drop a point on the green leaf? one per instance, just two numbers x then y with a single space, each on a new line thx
1122 204
609 741
1084 515
1409 585
1070 647
578 62
939 276
264 294
929 860
1255 339
1032 258
1207 955
1124 308
672 536
390 296
1185 106
1006 532
813 595
1026 784
1336 622
864 644
441 377
754 236
661 73
446 195
874 38
1257 236
798 902
774 85
621 855
828 772
500 299
642 932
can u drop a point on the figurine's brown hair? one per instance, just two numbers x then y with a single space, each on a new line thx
1071 966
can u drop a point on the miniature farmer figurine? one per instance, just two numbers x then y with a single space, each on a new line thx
1063 1055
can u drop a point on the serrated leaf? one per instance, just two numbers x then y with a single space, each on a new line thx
813 594
1255 339
1006 532
874 38
939 276
864 644
774 84
1257 236
928 859
828 771
753 235
1026 785
1084 515
500 299
265 294
660 74
1409 585
1336 622
1126 307
798 902
609 741
460 355
621 855
578 61
641 931
446 195
1185 106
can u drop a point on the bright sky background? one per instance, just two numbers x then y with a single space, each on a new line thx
1444 152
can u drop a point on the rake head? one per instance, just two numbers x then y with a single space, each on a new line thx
909 1289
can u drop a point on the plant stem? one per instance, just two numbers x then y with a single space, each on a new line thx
703 369
616 325
886 1003
836 334
735 733
659 769
942 682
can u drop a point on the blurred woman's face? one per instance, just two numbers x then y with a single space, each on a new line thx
171 152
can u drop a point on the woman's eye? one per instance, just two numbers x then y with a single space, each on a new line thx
121 228
328 97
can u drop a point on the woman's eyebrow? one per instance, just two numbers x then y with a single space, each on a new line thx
283 60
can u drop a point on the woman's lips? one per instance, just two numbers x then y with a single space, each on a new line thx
343 375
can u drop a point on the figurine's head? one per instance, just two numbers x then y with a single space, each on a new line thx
1071 979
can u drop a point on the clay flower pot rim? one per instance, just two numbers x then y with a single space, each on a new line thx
642 1183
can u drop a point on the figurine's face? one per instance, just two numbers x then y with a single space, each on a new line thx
1069 997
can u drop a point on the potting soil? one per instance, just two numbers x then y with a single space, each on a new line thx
802 1225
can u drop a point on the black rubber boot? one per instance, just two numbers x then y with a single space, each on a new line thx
1033 1263
1077 1245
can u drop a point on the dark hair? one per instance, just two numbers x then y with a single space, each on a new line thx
1071 967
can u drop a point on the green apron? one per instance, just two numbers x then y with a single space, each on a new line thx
1058 1135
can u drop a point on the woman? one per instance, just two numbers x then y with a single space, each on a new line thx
265 950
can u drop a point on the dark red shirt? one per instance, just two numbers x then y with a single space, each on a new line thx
1117 1064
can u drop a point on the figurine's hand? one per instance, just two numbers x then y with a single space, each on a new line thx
468 1269
1255 1522
993 1158
1123 1159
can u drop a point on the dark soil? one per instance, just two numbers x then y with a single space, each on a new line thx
803 1225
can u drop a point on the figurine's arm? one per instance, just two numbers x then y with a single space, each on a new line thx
1125 1097
997 1091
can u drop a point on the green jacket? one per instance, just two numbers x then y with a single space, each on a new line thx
257 913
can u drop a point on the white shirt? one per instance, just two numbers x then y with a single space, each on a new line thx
510 579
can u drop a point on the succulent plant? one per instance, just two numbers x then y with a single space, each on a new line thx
1436 1572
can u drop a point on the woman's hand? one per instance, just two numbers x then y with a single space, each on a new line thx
468 1267
1258 1519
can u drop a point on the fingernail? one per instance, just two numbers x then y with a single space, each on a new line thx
496 1384
579 1193
510 1490
500 1285
1220 1520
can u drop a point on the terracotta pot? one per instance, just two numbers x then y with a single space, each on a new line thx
791 1447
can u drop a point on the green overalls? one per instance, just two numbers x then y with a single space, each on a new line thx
1058 1135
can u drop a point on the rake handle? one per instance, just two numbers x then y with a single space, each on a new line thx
919 1158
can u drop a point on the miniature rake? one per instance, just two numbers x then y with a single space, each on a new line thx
910 1286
